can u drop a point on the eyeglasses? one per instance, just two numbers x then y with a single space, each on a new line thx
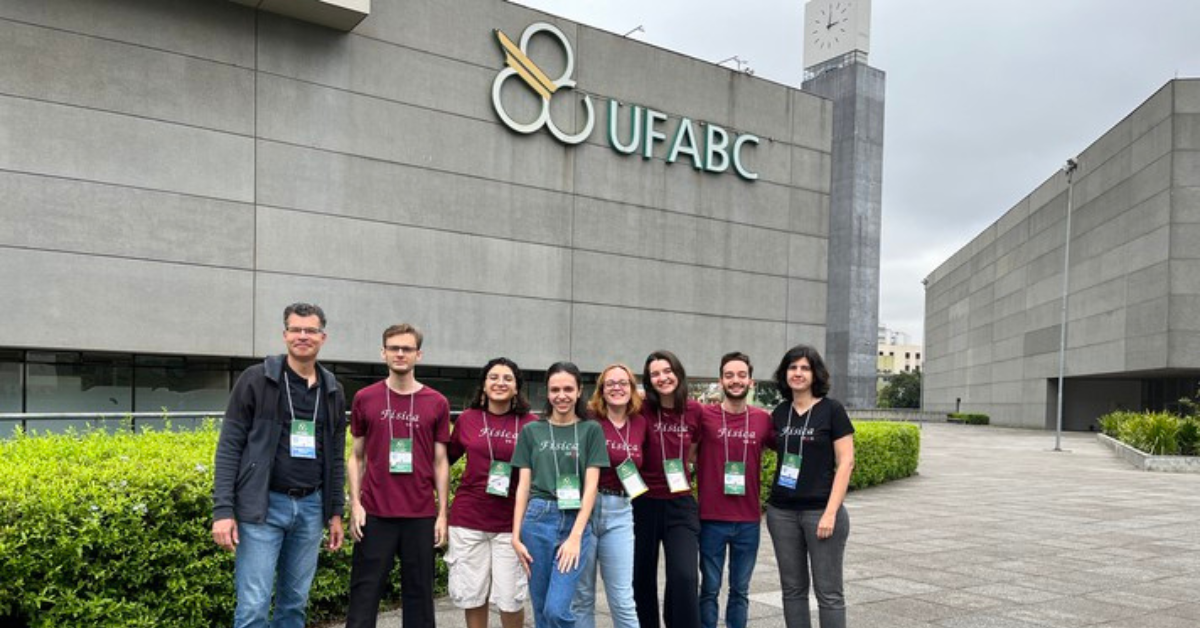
406 350
613 384
304 331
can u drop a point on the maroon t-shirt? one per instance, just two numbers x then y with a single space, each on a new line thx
625 443
423 416
671 434
473 507
746 435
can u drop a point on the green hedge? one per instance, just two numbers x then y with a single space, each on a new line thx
113 529
968 418
883 451
1157 433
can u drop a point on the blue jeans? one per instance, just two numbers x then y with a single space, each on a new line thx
280 555
742 540
612 521
543 530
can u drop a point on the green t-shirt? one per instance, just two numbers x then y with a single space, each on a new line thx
534 452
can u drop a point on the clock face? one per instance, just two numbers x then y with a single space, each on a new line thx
835 27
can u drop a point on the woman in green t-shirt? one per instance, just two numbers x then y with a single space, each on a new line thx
559 458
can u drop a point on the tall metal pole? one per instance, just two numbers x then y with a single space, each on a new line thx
1069 170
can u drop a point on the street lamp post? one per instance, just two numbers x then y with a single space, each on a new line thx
1069 169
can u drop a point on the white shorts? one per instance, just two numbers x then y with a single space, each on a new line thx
483 562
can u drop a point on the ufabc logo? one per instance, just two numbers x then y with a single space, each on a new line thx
714 153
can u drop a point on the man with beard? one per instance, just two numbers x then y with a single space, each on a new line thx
400 428
733 437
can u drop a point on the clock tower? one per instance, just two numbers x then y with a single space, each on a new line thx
836 43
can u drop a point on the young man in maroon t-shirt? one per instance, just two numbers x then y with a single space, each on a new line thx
400 428
733 437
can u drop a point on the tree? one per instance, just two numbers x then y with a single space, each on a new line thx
903 390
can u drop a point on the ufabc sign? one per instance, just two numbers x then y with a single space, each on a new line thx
713 151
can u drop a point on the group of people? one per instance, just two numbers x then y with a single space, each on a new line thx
604 485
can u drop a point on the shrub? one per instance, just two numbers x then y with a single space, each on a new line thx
883 452
1110 424
108 530
1152 432
1188 437
968 418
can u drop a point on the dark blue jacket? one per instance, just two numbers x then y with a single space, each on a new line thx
250 436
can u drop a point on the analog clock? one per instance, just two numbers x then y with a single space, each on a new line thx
833 28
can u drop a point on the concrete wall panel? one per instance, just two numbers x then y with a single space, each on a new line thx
1187 96
122 78
80 217
460 327
141 306
312 244
1143 353
84 144
807 257
806 302
308 179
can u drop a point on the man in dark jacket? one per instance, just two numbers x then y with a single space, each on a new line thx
280 474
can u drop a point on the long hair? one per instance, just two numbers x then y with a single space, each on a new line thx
820 385
680 394
598 407
570 369
520 404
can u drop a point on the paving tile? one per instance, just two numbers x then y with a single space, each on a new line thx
1013 593
962 599
901 586
1133 600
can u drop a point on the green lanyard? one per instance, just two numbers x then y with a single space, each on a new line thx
400 450
568 488
735 471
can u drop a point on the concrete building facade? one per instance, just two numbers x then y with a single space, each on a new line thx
993 310
174 172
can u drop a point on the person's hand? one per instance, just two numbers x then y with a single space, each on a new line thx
522 554
358 520
441 532
825 525
224 532
336 534
568 554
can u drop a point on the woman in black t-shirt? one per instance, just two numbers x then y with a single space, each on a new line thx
815 452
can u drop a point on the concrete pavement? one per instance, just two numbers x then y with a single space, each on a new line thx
998 531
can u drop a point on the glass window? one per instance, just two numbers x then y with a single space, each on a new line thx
10 386
79 387
180 385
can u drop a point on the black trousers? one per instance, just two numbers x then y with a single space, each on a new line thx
675 524
384 539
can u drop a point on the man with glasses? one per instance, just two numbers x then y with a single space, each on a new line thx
279 473
400 429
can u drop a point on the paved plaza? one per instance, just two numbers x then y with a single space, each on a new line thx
998 531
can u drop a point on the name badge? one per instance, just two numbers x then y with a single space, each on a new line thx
304 439
676 480
568 493
735 478
400 459
789 471
499 477
627 473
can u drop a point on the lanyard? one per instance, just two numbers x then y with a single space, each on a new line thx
745 436
803 430
662 434
555 451
412 400
624 439
487 434
287 380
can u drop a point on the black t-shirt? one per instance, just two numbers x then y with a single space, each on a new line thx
827 423
288 472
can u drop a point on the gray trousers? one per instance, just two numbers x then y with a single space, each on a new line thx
794 534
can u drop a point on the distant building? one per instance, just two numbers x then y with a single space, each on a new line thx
897 354
993 310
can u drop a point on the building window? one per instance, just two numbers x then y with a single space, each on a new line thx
10 382
75 382
177 384
918 355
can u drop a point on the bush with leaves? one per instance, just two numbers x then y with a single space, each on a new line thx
114 530
902 390
1152 432
968 418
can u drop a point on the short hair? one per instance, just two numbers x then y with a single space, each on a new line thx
680 395
570 369
735 356
820 385
403 328
520 404
304 309
598 407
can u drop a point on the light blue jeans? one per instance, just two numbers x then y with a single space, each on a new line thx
280 556
741 539
612 521
543 530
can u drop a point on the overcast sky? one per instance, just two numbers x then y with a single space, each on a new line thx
985 99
